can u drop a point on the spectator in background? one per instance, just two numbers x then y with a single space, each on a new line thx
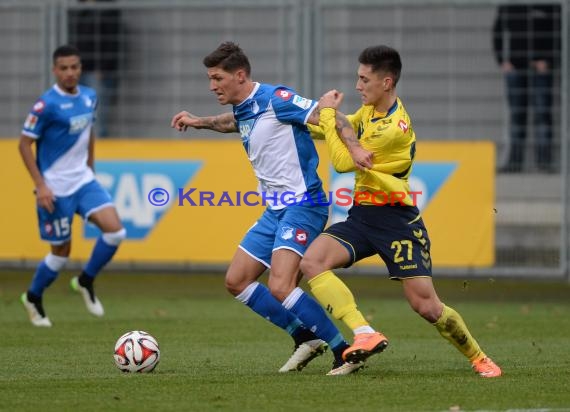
526 40
96 32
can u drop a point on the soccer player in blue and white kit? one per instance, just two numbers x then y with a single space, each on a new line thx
272 123
60 124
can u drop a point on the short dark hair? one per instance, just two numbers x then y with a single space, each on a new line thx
230 57
382 58
65 51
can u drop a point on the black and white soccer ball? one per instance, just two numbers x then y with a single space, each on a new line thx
137 351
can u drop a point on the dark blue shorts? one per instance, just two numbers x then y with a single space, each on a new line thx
396 233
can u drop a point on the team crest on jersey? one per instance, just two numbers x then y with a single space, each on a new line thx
31 122
302 102
287 233
88 102
48 229
39 106
283 94
403 125
254 107
301 237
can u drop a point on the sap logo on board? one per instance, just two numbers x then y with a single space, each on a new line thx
129 183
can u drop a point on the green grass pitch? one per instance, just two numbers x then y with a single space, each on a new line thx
217 355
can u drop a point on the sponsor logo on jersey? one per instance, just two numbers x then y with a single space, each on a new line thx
78 123
245 128
302 102
129 183
39 106
66 106
283 94
31 122
301 237
403 125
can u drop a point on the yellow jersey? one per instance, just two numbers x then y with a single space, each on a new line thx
390 137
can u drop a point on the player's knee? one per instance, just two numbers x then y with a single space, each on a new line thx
115 238
311 266
61 250
280 292
426 309
54 262
234 285
231 287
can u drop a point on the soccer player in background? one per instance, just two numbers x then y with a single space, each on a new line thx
60 124
395 231
272 123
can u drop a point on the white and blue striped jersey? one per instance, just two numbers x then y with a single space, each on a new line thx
61 124
272 123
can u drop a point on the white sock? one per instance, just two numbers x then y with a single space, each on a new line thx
363 329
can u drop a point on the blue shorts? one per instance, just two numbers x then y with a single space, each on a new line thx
396 233
293 228
56 227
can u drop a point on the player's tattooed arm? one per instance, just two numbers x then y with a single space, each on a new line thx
362 158
223 123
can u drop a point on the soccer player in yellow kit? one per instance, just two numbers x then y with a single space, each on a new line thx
383 219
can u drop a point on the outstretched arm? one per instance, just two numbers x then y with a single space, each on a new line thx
223 123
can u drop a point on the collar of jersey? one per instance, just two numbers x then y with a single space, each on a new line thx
62 92
383 115
255 88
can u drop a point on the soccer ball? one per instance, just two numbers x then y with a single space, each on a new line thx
136 351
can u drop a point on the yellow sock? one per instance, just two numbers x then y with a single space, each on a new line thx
337 299
451 326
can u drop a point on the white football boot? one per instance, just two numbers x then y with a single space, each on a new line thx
345 368
93 304
303 354
35 312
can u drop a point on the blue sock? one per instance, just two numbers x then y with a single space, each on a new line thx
315 318
101 255
265 305
43 277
